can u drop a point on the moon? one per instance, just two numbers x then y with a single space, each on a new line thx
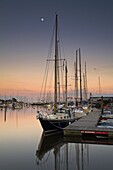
42 19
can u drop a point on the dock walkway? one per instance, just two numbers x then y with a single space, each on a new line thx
87 125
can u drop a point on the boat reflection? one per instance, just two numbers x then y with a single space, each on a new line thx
55 152
60 152
48 143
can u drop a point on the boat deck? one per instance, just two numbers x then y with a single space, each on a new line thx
87 125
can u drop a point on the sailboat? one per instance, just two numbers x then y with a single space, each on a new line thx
59 118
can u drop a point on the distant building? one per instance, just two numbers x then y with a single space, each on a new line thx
97 97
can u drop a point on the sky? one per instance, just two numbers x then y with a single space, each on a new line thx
25 41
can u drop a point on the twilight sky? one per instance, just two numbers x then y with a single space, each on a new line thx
25 41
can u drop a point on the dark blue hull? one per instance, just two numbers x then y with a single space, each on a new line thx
52 125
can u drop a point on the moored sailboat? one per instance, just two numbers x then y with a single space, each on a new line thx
59 118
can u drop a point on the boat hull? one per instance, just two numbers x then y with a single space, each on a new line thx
54 125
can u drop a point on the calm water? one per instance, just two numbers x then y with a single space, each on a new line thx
23 147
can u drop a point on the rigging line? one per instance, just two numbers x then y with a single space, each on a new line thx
51 43
55 125
43 83
60 77
61 43
48 60
50 81
46 78
63 78
47 67
61 63
60 70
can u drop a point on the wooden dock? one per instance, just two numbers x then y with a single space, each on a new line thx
87 126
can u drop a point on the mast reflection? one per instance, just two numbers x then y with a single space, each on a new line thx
59 152
5 114
48 143
56 152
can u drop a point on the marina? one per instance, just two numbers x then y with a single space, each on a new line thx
24 146
88 126
56 85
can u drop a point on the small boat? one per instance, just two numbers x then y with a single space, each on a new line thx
105 126
60 117
106 120
105 123
106 116
107 112
17 105
78 113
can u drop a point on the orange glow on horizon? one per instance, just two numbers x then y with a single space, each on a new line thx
29 84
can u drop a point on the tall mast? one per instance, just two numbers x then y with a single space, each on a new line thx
56 63
66 83
76 76
84 86
85 82
99 85
80 76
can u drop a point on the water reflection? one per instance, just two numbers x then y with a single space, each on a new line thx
58 152
24 146
49 149
66 155
47 143
5 115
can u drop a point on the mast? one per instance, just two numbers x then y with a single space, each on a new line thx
99 85
76 76
56 63
84 86
85 82
80 76
66 83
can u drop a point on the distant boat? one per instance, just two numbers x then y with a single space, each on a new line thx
17 105
107 116
60 118
106 119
